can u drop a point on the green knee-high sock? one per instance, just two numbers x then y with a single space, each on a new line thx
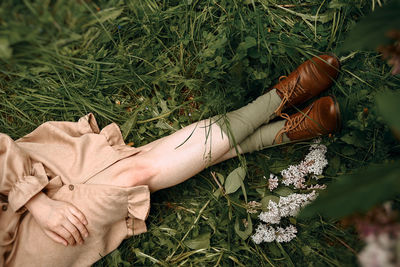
263 137
242 122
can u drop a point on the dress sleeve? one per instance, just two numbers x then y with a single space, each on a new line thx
20 178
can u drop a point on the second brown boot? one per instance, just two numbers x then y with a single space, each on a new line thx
308 80
320 118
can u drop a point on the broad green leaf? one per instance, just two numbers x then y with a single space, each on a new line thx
278 166
348 150
357 193
5 49
354 138
221 178
234 180
248 230
284 191
202 241
371 31
274 250
265 201
389 107
162 124
250 41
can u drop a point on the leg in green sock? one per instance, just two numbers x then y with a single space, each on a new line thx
262 138
243 122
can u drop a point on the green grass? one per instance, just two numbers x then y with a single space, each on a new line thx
156 66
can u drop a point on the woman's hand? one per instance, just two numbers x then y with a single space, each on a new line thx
61 221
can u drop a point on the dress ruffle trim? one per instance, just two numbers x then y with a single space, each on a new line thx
88 124
113 134
26 187
138 210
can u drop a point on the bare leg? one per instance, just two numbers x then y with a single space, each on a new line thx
228 155
262 138
173 160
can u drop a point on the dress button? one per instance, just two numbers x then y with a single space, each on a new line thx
4 208
71 187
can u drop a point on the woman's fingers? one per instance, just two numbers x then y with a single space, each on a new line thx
78 214
65 233
56 238
79 225
74 232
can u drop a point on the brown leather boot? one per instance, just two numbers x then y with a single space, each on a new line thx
319 118
308 80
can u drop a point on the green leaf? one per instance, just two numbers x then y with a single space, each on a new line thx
278 166
261 191
265 201
306 250
354 138
128 125
274 250
284 191
221 178
202 241
243 46
357 193
5 50
371 31
250 41
234 180
217 193
248 230
115 259
333 166
388 105
348 150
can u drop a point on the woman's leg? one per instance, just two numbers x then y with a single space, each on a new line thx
188 151
179 156
262 138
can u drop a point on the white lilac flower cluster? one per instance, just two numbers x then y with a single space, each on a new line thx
287 206
314 163
266 233
272 182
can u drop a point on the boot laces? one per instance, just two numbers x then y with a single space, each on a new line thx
289 93
293 124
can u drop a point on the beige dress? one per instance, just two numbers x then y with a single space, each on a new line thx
64 160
